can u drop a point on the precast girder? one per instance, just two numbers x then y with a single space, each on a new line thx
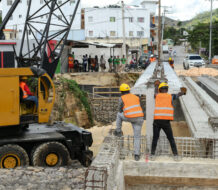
199 108
210 85
164 73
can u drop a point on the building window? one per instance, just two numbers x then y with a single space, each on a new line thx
112 19
90 33
112 33
72 2
59 17
59 2
130 19
140 19
20 16
140 33
11 35
130 33
9 2
41 1
90 19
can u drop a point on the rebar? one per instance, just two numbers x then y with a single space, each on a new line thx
187 147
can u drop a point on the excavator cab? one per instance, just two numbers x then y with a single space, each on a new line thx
16 110
28 107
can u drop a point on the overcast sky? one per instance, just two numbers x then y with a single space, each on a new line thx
181 9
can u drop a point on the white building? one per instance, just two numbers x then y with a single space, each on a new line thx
150 5
107 22
17 20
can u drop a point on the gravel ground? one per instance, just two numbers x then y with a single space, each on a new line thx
35 178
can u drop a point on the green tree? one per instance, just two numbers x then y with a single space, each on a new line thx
201 33
172 33
179 24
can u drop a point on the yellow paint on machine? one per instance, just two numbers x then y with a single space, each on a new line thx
11 109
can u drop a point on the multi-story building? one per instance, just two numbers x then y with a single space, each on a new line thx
17 20
151 5
105 25
10 34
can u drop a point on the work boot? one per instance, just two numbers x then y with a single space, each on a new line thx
118 134
152 157
177 158
137 157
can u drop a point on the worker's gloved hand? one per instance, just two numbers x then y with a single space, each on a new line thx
157 83
183 90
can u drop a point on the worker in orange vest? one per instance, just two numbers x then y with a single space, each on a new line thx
171 62
70 63
27 94
163 114
130 110
152 58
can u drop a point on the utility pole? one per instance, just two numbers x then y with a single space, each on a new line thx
163 23
163 20
211 18
159 32
124 32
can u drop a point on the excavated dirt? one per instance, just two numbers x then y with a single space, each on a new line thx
102 79
195 72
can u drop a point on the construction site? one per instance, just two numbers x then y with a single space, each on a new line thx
63 136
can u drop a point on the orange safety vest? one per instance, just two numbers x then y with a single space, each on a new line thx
22 84
70 60
132 106
163 107
152 59
171 63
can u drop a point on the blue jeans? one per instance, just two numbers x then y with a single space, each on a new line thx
33 99
137 126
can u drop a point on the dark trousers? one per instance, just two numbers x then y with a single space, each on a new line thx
165 125
84 67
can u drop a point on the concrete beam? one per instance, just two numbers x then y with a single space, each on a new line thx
198 107
172 79
210 85
141 84
169 168
170 175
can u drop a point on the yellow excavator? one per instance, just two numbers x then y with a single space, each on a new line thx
25 136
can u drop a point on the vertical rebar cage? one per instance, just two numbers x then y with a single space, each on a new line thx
96 178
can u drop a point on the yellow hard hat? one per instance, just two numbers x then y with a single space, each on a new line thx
124 87
24 78
163 84
170 59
